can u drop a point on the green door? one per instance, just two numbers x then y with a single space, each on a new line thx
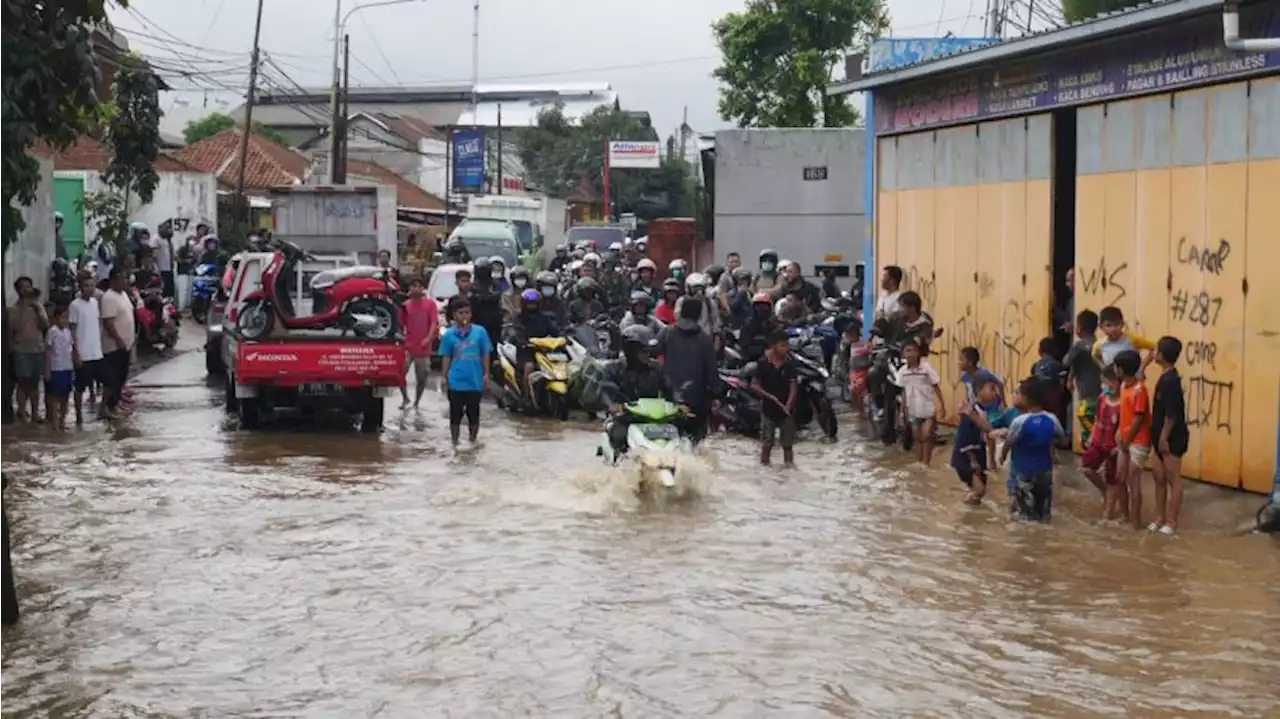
68 194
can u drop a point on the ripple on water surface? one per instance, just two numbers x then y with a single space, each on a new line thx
183 569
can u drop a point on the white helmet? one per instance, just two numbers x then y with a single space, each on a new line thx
592 258
697 279
615 247
575 265
646 264
677 264
784 264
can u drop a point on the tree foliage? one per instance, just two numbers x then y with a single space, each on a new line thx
1077 10
216 122
558 155
778 56
133 135
49 89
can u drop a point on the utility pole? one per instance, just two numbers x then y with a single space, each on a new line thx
241 210
684 138
340 177
475 63
995 12
499 148
335 140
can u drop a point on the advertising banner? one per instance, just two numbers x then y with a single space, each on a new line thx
468 161
890 52
625 154
1184 56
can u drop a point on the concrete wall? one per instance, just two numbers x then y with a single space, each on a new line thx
32 253
762 199
184 197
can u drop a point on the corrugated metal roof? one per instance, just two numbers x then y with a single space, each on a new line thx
1094 28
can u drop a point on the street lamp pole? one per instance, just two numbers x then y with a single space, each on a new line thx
335 108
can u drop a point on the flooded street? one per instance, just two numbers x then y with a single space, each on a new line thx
180 568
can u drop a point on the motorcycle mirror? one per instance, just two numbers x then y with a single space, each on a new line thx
937 333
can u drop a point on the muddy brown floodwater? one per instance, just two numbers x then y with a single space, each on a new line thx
179 569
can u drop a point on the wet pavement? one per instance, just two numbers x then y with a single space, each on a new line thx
175 567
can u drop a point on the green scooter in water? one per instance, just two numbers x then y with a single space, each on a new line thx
654 441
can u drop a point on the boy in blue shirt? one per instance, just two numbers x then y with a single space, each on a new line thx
464 350
1031 440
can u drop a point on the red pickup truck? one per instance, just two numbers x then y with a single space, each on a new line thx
310 370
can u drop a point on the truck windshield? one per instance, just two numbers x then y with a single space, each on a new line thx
524 232
604 236
493 248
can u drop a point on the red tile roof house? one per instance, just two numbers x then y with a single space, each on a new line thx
186 194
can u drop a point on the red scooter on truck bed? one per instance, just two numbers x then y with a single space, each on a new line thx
350 298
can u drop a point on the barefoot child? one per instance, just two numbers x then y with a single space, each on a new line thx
1099 460
1169 427
1031 440
775 382
921 399
1135 430
59 372
464 374
969 458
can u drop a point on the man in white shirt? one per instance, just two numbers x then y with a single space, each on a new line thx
86 332
118 335
890 292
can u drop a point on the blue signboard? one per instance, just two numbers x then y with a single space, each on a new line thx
890 52
1172 57
468 160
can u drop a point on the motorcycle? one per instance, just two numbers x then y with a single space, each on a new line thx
205 284
600 337
62 283
352 298
734 407
155 327
811 374
550 379
654 442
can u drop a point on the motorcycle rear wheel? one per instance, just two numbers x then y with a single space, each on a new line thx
826 416
386 312
256 320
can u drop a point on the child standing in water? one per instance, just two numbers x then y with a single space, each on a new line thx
775 381
921 399
1135 430
464 350
969 458
1099 460
59 369
1031 441
1169 429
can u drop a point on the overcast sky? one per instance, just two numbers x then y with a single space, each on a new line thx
657 54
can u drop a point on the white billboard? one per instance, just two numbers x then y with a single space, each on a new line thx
626 153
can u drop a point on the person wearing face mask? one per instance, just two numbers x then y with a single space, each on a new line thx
548 285
531 322
638 315
767 278
646 274
520 278
739 297
678 270
561 260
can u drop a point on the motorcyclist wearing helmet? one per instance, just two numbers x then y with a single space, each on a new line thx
613 283
520 281
666 309
586 304
678 269
646 279
709 317
561 260
639 315
548 285
632 377
754 337
690 361
455 252
740 296
791 281
631 253
139 241
767 278
486 299
642 246
531 322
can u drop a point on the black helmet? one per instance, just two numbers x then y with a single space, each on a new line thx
670 284
741 274
455 251
609 258
482 270
714 273
547 277
587 284
641 296
520 272
636 337
562 249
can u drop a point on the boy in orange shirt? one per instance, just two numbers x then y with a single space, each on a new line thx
1135 429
